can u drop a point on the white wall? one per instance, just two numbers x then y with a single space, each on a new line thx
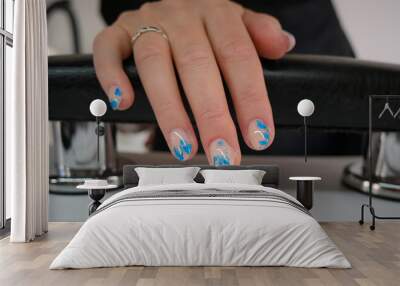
90 23
373 27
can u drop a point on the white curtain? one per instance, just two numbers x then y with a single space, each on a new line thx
27 159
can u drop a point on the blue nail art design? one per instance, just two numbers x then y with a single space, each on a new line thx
114 103
221 153
181 148
178 154
185 147
260 124
265 132
259 134
265 141
221 160
117 92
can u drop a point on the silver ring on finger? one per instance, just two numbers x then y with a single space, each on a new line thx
147 29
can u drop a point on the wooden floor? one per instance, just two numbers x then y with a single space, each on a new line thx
375 257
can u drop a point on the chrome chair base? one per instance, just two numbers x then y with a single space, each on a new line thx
356 178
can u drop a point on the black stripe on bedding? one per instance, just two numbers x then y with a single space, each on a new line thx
204 194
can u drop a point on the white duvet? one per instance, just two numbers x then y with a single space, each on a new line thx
200 231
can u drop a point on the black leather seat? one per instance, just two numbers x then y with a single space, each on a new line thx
338 86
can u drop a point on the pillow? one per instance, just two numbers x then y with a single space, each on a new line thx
248 177
162 176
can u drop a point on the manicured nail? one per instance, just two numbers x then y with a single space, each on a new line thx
117 92
181 145
115 95
259 134
292 40
115 103
221 153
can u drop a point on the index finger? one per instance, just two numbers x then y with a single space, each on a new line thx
110 48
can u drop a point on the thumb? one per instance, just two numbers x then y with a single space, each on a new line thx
110 48
271 41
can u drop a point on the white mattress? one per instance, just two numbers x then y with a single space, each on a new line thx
191 231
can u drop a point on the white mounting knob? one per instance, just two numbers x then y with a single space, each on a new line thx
305 107
98 107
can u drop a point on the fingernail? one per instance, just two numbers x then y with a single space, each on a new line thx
292 40
221 153
115 95
181 144
259 134
114 102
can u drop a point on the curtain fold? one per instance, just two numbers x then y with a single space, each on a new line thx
27 124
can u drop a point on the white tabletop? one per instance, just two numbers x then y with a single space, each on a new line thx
96 184
305 178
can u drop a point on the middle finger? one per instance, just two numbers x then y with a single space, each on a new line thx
201 80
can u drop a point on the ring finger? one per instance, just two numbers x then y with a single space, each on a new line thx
243 73
153 61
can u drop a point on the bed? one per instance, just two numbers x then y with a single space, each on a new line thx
201 224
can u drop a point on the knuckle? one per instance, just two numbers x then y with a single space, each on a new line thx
223 7
274 22
165 108
147 6
182 5
97 40
125 16
237 8
148 9
215 114
251 96
237 50
219 4
194 57
101 38
149 51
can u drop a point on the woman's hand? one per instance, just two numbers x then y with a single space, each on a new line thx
207 40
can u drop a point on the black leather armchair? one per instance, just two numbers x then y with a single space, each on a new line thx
338 86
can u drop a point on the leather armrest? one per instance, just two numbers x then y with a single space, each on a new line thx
338 86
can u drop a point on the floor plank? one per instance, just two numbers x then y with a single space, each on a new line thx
375 257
